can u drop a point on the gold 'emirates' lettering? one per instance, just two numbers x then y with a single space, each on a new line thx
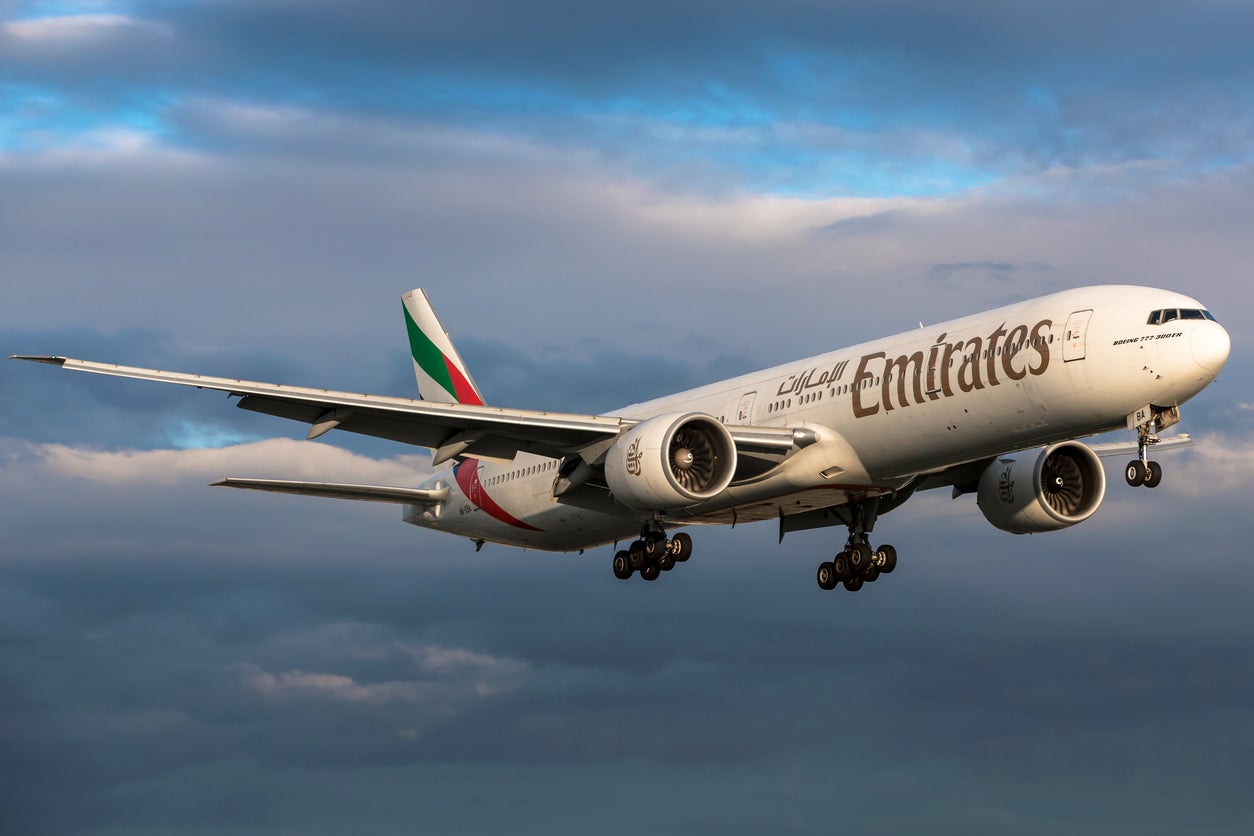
920 377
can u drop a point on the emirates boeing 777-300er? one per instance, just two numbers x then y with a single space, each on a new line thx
990 404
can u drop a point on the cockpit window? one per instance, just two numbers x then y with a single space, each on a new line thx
1161 317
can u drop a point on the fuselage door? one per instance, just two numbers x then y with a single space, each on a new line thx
744 412
1073 338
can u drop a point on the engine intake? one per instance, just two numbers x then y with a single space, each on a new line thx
1043 489
670 462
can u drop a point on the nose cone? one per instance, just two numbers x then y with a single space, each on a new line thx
1210 347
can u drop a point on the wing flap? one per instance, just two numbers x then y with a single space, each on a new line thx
334 490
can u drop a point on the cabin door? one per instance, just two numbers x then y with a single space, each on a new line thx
1073 338
744 413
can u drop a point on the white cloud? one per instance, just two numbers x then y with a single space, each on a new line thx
437 659
279 458
483 674
1220 466
329 685
75 29
754 218
443 675
97 147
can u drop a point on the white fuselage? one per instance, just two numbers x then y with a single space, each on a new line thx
1059 367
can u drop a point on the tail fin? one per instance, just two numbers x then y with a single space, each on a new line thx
441 373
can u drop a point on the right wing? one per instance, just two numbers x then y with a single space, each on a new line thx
449 429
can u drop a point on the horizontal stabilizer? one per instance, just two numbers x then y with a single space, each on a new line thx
366 493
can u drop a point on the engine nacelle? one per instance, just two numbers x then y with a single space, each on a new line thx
1043 489
670 462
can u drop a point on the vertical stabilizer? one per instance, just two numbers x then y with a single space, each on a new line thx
441 373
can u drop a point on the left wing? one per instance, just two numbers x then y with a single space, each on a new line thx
449 429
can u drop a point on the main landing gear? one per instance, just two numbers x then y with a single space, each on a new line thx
859 563
1142 471
651 555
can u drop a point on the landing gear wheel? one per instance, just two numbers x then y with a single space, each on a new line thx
650 572
1135 473
622 566
666 562
853 583
886 559
681 546
827 575
859 557
1153 474
654 547
871 574
635 555
840 564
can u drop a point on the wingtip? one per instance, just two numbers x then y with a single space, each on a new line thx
51 359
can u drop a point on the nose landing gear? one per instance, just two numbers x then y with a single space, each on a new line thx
1142 471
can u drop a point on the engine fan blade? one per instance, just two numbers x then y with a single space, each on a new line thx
697 475
1063 485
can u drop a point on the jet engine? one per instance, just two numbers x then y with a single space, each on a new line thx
1043 489
670 462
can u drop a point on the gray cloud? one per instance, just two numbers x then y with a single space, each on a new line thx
130 673
570 188
1022 89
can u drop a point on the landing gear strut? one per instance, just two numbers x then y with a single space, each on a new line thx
1142 471
858 563
653 554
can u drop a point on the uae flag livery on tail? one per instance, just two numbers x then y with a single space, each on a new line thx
441 374
442 377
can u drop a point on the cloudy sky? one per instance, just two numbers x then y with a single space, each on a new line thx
604 205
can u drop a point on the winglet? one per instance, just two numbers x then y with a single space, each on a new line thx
440 370
51 359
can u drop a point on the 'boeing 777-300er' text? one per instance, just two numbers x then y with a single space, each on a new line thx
990 404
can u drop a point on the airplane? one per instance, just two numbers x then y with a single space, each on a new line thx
990 404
